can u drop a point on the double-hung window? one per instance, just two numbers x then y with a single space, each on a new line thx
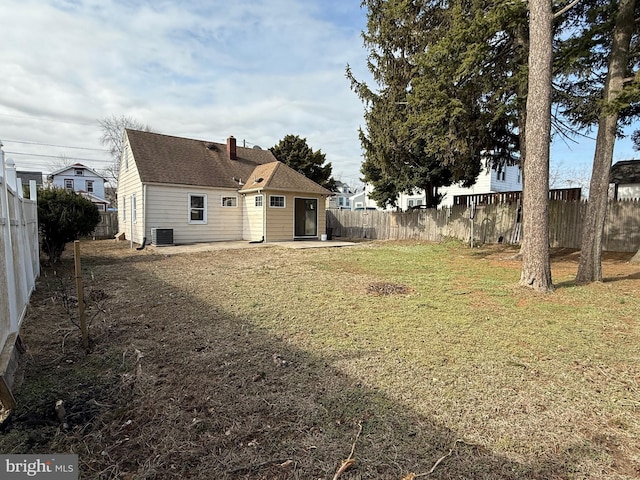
89 186
258 201
197 209
134 212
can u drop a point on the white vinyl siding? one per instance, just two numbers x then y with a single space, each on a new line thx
166 209
253 216
129 184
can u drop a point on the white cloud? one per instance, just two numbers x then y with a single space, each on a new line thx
256 69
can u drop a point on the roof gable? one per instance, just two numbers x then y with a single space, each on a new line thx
627 171
73 168
184 161
278 176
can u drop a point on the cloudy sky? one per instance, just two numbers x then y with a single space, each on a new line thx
205 69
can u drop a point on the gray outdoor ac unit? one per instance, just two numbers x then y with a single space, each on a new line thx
162 236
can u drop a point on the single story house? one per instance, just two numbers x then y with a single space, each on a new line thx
199 191
625 177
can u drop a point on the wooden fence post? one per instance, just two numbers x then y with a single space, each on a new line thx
80 290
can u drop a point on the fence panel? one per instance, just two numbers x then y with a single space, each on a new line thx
490 223
19 268
108 226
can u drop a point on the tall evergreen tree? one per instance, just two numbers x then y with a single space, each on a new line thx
296 153
536 265
599 80
449 82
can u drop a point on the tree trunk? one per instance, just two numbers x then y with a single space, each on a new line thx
590 264
536 266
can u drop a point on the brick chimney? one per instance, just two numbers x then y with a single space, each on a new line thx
231 148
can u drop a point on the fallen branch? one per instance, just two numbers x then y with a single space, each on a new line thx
349 460
411 476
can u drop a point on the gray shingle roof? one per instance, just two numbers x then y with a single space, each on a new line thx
184 161
278 176
627 171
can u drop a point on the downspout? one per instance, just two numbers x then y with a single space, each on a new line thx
144 212
264 215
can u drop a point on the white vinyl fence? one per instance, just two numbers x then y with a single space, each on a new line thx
19 264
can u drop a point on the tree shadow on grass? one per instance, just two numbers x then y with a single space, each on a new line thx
185 389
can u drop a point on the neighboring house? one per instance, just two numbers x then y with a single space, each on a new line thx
625 177
490 180
362 200
83 180
205 192
341 199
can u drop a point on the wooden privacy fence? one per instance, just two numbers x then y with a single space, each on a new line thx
493 223
19 268
108 226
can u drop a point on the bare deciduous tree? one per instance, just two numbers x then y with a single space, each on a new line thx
113 137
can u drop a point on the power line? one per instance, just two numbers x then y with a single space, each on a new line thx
59 156
49 119
52 145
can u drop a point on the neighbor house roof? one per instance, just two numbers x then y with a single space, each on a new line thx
26 176
627 171
278 176
184 161
75 166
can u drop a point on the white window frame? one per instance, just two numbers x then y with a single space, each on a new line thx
88 185
134 209
271 203
414 202
203 209
68 181
258 201
79 172
233 199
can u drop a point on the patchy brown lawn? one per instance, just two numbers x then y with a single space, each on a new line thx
272 363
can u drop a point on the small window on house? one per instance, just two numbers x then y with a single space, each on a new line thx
68 184
134 212
229 201
79 173
100 207
197 209
89 186
124 209
414 202
258 201
341 201
501 174
276 201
